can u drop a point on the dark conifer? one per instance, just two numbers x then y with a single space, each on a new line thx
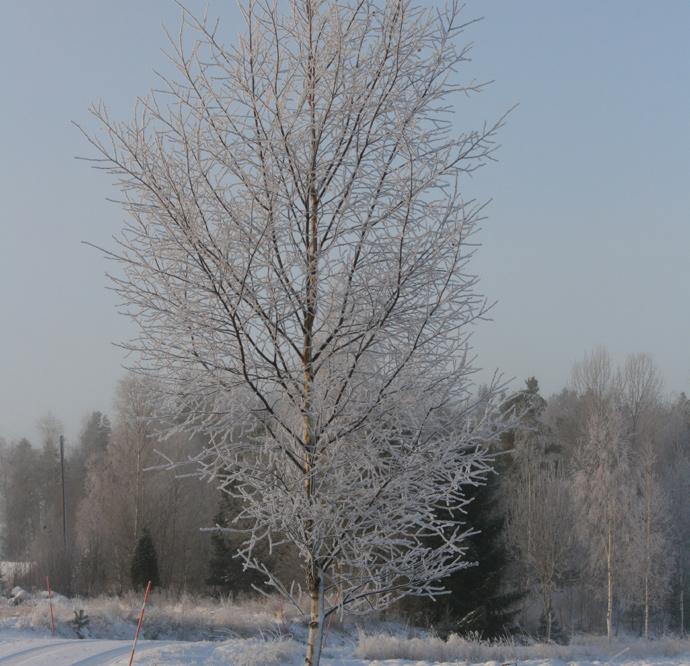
557 634
479 602
226 571
221 564
144 562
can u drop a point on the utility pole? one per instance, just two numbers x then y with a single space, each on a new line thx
62 476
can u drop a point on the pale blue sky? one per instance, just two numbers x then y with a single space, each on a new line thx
588 236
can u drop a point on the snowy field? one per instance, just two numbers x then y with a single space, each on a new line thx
90 652
264 632
25 649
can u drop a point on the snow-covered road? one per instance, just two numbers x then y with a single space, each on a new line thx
18 649
60 652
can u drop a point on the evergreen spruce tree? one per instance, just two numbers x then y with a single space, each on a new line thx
479 602
226 572
527 405
557 634
221 563
144 562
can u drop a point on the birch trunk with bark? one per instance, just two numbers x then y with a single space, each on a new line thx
648 563
609 583
682 606
316 622
315 575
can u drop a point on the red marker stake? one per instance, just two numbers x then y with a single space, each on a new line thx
50 602
141 621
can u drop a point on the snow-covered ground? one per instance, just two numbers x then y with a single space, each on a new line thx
256 633
25 649
31 651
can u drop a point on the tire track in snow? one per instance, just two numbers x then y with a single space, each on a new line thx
27 655
113 655
7 647
89 652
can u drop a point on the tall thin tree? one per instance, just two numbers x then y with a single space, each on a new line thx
296 259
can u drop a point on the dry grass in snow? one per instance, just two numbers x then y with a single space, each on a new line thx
456 648
186 618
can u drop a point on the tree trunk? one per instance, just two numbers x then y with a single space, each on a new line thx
529 504
682 605
547 611
609 581
137 499
316 583
648 548
548 625
316 623
646 607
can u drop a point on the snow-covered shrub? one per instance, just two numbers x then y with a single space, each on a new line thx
456 648
185 618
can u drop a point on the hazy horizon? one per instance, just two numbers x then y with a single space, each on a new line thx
587 240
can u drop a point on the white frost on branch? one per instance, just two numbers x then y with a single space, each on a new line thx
296 258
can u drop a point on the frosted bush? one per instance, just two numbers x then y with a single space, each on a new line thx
185 618
456 648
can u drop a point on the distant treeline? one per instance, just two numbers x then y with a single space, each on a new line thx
584 526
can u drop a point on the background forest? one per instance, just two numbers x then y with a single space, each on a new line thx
583 527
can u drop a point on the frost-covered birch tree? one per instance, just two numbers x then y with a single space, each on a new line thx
296 257
650 559
652 553
641 390
604 483
540 527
